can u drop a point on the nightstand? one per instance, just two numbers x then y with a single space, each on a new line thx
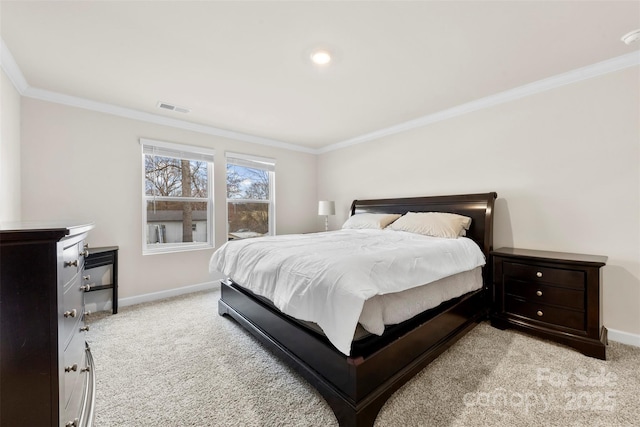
99 257
554 295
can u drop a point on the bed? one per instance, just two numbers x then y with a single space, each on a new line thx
357 385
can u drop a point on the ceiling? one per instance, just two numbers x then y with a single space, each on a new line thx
244 66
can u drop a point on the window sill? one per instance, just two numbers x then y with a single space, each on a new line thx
152 249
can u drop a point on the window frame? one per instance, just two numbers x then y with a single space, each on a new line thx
254 162
183 152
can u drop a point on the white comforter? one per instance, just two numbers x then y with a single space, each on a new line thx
326 277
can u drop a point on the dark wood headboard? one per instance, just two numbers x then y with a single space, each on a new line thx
479 207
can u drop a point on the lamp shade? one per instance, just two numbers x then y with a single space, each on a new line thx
326 207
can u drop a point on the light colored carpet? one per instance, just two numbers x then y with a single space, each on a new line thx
177 363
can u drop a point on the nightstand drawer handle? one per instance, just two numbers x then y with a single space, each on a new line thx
539 313
70 313
539 274
539 293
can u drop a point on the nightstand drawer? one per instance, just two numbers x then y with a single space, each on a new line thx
545 313
544 294
535 274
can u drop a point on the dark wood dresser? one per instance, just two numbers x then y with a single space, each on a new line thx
46 369
553 295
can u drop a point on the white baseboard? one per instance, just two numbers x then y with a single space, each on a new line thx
94 303
623 337
154 296
97 305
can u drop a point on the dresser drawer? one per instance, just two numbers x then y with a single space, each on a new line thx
73 409
78 405
544 294
72 262
534 274
74 361
72 309
544 313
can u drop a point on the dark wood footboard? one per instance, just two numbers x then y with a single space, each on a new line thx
355 387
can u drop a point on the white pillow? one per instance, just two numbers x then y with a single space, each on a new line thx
436 224
367 220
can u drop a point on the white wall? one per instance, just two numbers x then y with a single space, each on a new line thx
9 150
565 164
80 164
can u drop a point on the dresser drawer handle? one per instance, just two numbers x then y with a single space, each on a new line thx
84 328
85 253
87 369
74 423
85 288
539 313
539 293
539 274
73 263
71 313
87 277
73 368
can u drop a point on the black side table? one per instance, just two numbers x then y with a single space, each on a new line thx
98 257
555 295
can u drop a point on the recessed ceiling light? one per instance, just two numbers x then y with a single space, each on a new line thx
320 57
631 37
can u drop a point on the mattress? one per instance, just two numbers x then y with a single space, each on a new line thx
392 309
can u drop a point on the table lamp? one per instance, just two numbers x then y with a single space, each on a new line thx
326 208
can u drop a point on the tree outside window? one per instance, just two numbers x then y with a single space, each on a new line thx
249 196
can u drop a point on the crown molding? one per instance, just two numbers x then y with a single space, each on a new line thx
13 72
11 69
72 101
574 76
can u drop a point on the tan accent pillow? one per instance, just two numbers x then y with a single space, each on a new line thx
366 220
436 224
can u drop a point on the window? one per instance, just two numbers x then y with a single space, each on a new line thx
177 212
250 196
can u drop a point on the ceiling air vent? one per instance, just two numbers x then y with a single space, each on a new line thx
171 107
